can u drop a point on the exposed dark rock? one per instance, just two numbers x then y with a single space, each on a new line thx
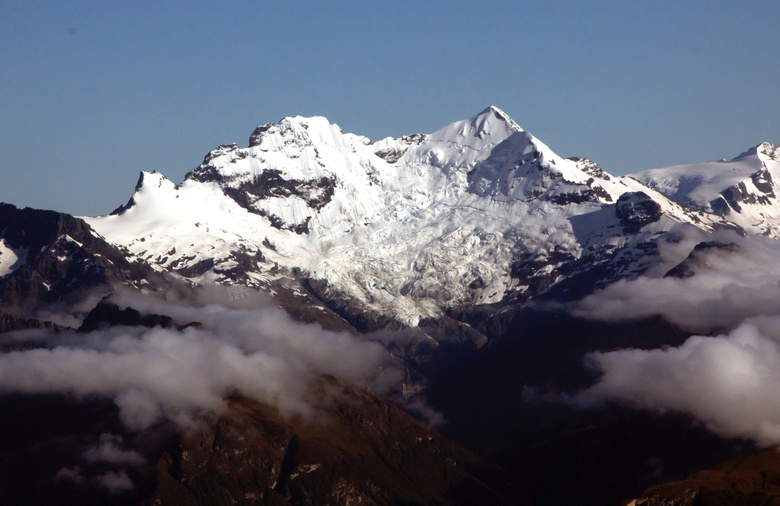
317 194
589 167
733 196
246 262
65 258
221 151
205 174
392 155
736 194
720 207
763 181
257 134
635 210
208 173
599 191
585 195
11 323
107 314
131 202
770 150
753 480
280 224
197 269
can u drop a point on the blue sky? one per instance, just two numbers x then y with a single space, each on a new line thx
93 92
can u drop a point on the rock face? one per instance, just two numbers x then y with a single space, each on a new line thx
697 258
10 323
636 210
58 258
107 314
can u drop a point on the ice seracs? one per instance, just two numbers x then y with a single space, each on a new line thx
477 212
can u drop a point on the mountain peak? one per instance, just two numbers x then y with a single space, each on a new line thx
493 113
764 148
489 127
495 110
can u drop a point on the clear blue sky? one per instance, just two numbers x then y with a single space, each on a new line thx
92 92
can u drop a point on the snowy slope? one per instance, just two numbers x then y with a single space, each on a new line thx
742 190
478 212
11 259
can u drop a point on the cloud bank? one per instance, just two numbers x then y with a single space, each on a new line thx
728 379
737 279
728 382
162 374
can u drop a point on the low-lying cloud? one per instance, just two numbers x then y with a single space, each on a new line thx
727 382
157 374
727 379
735 281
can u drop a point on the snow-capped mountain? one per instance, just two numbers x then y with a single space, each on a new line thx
741 190
479 212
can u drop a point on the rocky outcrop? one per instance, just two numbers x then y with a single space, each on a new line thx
763 181
635 210
65 258
107 314
735 196
270 183
11 323
392 152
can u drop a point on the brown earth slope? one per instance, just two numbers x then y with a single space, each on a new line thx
358 449
746 481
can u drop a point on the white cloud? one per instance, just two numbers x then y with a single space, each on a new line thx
156 374
730 284
728 382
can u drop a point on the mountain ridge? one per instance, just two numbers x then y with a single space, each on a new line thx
447 220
